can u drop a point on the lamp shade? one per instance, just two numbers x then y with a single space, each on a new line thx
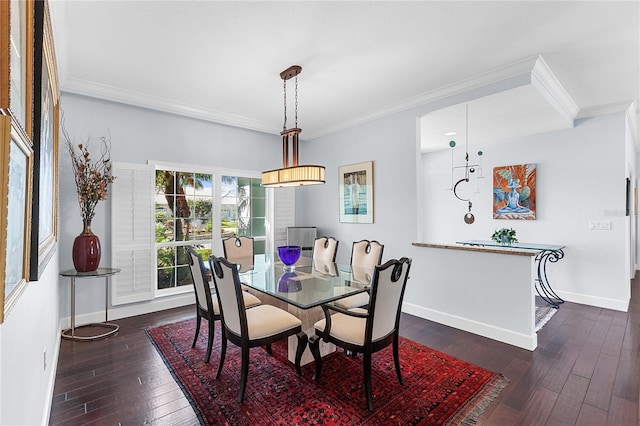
293 176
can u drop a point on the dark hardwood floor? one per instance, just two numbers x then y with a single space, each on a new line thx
585 371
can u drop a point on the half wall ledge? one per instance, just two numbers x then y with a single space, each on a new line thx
482 290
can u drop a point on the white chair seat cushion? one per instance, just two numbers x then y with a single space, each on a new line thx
249 302
267 320
346 328
355 301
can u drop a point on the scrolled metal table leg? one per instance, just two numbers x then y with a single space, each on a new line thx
543 288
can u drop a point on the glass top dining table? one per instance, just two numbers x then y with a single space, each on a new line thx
308 284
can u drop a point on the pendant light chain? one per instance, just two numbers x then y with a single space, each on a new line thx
296 96
284 125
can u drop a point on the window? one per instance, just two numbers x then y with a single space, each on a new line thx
188 213
242 209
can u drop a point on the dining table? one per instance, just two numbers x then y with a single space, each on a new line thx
301 289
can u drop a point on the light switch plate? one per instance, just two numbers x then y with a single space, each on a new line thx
599 225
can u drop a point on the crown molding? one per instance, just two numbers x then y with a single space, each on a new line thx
545 81
511 71
115 94
532 70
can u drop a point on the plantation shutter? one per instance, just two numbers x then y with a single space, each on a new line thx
283 214
133 233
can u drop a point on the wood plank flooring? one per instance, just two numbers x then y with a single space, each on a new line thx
585 371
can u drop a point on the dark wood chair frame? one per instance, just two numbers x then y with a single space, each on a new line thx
242 340
369 347
208 314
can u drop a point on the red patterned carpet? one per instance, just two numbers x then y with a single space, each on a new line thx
438 389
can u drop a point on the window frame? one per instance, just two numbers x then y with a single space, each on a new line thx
216 186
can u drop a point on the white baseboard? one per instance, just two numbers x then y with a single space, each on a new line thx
600 302
496 333
133 309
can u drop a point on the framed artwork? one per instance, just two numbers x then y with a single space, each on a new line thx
16 65
16 162
45 137
514 192
355 182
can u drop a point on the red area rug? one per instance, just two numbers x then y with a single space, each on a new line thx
438 389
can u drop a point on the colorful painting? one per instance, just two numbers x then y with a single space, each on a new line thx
514 192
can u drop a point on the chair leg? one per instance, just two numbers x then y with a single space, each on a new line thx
212 330
244 373
367 380
302 345
223 352
314 346
195 338
396 359
268 348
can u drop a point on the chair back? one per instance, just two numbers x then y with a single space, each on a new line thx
387 292
325 267
325 249
366 254
238 248
200 284
229 292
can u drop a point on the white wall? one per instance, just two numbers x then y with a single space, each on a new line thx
588 161
581 177
140 135
30 329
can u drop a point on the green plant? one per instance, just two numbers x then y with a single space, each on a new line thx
505 236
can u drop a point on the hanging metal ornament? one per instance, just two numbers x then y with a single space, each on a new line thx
469 218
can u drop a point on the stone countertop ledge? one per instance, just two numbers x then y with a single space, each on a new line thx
506 250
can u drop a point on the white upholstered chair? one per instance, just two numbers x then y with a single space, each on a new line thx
368 330
325 249
237 248
365 255
248 328
207 306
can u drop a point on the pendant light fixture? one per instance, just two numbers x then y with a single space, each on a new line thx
294 174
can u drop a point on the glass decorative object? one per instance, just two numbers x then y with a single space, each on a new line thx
289 255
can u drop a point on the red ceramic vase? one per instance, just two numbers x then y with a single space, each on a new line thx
86 250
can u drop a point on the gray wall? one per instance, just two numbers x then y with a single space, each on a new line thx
589 162
140 135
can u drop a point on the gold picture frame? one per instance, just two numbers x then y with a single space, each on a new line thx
16 61
44 230
355 182
16 168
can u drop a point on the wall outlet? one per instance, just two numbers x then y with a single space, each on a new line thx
599 225
44 359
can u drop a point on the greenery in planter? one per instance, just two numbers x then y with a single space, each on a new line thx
505 236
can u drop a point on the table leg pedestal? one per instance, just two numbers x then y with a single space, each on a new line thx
308 318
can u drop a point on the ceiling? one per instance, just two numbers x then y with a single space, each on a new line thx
220 61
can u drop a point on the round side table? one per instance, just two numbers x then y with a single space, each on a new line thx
110 328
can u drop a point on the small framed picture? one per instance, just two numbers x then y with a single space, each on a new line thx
355 182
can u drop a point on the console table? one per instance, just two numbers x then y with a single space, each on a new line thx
544 253
111 328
